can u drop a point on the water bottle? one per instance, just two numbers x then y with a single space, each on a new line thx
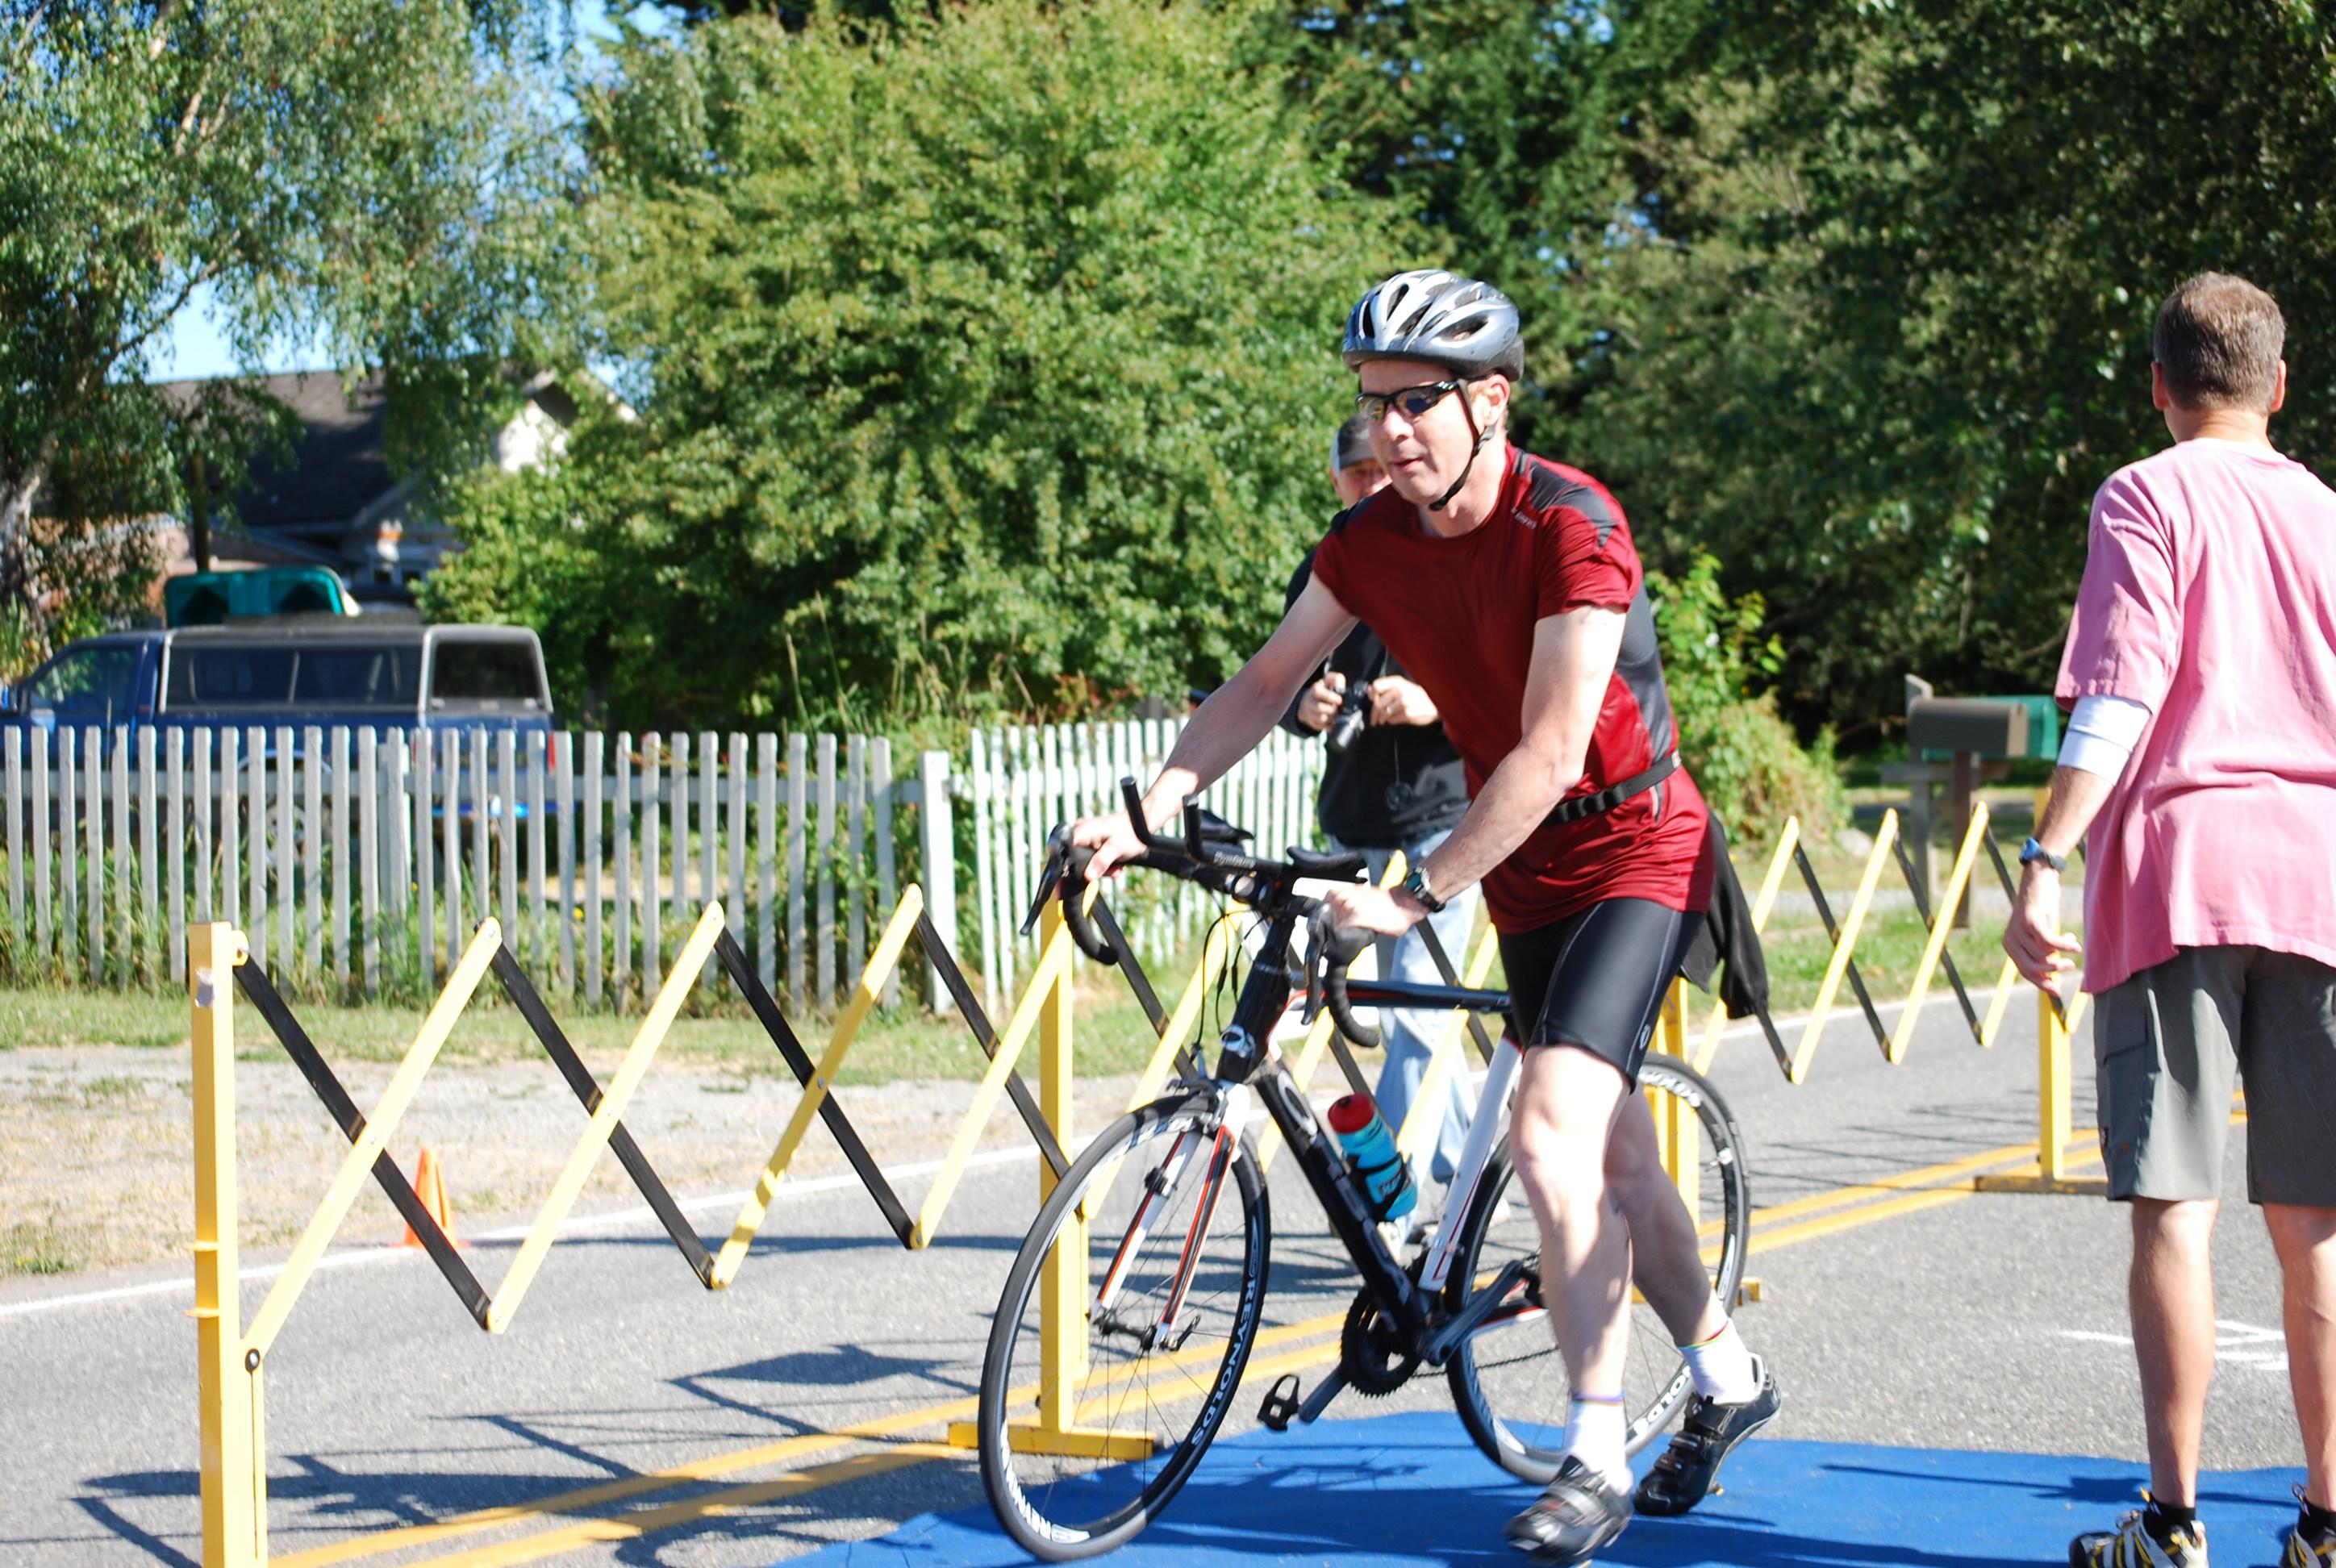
1371 1154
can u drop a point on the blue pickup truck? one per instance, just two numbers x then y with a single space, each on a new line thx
325 670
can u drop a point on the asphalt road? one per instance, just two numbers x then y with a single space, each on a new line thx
721 1427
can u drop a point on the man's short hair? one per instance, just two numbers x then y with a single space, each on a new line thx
1352 445
2218 339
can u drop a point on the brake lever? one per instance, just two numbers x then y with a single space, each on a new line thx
1050 877
1318 933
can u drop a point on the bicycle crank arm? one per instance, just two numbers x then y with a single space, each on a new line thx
1471 1317
1332 1385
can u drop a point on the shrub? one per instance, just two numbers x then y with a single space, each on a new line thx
1750 765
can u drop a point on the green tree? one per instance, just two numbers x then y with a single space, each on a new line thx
371 176
1875 323
978 362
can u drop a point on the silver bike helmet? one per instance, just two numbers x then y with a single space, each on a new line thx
1469 329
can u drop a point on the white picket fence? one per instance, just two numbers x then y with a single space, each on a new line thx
364 859
596 851
1023 781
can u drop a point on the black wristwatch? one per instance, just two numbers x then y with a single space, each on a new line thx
2032 850
1414 882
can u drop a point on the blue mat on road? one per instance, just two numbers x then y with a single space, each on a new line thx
1412 1489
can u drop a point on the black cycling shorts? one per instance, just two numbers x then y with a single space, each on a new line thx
1596 980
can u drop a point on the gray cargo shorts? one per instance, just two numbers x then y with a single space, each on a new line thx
2172 1042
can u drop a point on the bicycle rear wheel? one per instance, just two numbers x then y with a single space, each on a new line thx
1508 1381
1163 1226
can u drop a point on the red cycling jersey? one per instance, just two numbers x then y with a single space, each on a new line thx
1459 615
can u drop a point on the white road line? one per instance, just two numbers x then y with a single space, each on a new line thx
377 1254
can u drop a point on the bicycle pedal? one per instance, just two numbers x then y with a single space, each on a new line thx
1281 1405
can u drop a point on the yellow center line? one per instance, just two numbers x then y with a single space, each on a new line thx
1858 1191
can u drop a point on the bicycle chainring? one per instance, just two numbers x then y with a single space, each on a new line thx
1372 1354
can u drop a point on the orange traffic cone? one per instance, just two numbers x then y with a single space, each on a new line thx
429 1186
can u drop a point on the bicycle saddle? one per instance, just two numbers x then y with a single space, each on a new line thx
1343 866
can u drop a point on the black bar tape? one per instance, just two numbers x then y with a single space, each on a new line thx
782 1036
261 992
587 1088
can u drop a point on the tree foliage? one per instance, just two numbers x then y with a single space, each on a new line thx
373 176
1855 296
978 363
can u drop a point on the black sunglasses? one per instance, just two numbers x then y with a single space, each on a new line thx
1411 401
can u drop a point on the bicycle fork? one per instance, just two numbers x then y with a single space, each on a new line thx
1160 1185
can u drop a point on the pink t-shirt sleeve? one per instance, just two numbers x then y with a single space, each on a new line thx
1574 567
2125 636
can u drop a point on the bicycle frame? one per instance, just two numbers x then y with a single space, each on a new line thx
1245 1058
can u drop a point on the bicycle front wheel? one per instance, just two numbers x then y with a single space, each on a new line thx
1508 1381
1157 1236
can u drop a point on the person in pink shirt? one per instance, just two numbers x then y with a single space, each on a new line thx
2201 668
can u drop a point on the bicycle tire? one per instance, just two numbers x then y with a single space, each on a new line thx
1033 1495
1521 1443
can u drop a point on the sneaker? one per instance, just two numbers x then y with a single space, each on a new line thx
2131 1547
2301 1552
1578 1514
1682 1478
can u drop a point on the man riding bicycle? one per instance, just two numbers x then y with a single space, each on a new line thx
1508 586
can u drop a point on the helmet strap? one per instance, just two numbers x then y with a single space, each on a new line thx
1468 413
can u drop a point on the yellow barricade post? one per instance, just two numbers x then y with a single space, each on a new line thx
1063 1293
1677 1132
2055 1118
234 1481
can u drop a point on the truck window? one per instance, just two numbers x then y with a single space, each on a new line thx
500 673
350 677
252 677
87 680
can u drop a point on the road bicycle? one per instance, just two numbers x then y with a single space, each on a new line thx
1166 1224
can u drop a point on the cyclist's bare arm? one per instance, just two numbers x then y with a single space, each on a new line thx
1227 727
1574 656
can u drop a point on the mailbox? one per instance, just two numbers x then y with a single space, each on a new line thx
1973 725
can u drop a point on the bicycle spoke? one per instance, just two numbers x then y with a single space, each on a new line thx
1175 1254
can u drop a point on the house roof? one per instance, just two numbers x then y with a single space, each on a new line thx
338 465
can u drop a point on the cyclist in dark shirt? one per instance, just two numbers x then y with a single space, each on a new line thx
1396 786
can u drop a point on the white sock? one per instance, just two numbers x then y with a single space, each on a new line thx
1722 1367
1593 1435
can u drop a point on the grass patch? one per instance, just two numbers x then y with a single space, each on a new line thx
29 1248
905 1043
